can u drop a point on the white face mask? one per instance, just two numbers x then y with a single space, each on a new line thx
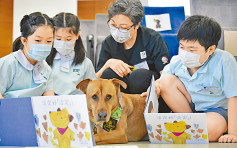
64 47
119 35
190 60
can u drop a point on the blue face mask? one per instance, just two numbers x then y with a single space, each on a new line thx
39 52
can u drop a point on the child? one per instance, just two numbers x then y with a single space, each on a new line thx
67 59
202 78
24 73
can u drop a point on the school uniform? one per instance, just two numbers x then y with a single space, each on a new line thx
19 78
211 85
66 76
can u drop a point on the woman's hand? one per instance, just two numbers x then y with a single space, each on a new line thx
228 138
118 66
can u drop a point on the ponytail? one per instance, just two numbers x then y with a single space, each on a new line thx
80 52
17 44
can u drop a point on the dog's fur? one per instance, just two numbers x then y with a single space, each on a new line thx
177 127
61 119
131 126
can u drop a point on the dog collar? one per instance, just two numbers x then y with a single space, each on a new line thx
116 114
111 124
114 119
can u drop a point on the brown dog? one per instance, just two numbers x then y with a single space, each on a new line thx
103 104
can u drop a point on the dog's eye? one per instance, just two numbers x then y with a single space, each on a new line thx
108 97
94 97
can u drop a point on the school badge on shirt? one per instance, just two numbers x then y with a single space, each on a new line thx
143 54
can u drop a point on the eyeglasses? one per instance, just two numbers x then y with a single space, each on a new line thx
111 26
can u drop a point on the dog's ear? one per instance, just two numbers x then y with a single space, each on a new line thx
83 85
117 83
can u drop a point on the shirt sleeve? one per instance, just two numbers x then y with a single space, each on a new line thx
90 71
229 76
159 52
7 71
104 54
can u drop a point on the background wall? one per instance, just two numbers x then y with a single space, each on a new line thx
6 20
223 11
49 7
87 9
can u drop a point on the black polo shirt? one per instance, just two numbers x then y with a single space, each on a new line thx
148 40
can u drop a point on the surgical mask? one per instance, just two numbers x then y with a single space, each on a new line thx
190 60
64 47
39 52
119 35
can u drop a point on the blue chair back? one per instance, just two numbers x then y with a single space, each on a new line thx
177 17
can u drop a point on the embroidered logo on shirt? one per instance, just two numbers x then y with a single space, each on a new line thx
164 60
76 71
210 90
143 54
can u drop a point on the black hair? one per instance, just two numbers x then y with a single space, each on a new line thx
68 20
201 28
28 25
130 8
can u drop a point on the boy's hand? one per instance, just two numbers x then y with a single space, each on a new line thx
157 87
228 138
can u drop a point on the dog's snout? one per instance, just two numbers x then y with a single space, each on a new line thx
102 115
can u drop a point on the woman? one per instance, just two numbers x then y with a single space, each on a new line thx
24 73
131 46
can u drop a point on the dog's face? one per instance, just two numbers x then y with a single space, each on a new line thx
177 127
102 97
60 118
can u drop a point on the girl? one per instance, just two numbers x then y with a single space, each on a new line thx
24 73
67 58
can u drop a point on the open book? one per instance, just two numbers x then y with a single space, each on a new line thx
173 127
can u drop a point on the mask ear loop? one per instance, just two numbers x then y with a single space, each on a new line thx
207 58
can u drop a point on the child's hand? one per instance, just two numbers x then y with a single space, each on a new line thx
1 97
157 87
228 138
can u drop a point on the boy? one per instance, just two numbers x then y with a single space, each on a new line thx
202 78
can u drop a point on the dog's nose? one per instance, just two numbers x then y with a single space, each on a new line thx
102 115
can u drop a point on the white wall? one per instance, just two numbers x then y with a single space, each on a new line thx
170 3
49 7
144 2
